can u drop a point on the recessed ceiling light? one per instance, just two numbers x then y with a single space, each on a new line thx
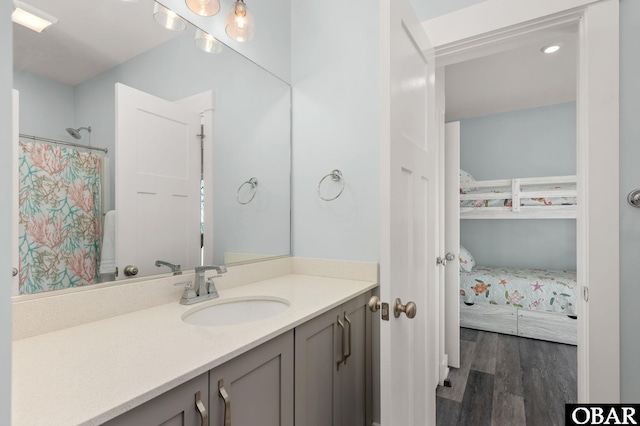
551 48
30 17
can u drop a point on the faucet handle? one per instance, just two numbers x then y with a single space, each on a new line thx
188 293
221 269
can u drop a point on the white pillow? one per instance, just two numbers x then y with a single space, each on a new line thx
466 260
465 177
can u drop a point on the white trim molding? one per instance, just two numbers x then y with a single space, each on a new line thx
495 25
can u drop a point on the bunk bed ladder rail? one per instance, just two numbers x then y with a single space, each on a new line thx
515 193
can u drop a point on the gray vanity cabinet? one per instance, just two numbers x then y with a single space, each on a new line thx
177 407
333 366
332 384
258 386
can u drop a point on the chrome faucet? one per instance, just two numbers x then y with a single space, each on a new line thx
204 289
174 268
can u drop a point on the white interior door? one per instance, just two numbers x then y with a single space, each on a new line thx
409 220
158 181
452 242
15 189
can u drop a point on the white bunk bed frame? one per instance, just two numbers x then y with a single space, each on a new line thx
550 326
516 211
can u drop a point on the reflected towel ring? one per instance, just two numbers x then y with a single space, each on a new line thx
336 176
253 182
634 198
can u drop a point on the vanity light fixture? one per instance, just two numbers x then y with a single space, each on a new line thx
31 17
240 25
207 42
168 18
551 48
204 7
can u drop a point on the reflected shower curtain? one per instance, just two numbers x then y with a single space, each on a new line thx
59 224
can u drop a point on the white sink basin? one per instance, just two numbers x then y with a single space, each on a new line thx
235 311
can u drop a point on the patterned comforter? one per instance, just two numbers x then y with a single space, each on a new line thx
532 289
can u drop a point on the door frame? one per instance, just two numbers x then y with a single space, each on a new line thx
489 27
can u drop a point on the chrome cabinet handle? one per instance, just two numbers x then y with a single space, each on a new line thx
341 325
348 354
409 309
204 416
227 402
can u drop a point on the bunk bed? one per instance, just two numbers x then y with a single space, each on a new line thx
533 303
525 198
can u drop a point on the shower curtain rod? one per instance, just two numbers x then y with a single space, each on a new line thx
77 145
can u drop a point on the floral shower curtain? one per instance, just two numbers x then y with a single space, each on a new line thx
59 224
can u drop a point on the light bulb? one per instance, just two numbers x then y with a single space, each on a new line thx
207 42
168 18
204 7
552 48
239 24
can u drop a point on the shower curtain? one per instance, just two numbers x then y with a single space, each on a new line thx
59 223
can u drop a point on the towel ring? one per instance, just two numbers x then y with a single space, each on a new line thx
253 182
336 176
634 198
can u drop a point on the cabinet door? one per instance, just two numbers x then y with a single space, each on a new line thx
318 346
356 372
176 407
259 385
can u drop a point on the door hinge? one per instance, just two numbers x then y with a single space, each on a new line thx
585 293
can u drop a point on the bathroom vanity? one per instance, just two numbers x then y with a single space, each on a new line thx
305 365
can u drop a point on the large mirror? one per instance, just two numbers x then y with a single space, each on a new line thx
66 79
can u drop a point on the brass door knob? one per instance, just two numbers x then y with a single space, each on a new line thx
409 309
374 304
130 270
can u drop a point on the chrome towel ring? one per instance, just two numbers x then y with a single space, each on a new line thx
336 176
253 182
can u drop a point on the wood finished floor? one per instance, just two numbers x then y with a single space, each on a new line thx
508 381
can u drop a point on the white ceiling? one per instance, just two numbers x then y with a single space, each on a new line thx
515 79
90 37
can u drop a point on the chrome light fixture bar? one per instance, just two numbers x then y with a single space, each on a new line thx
31 17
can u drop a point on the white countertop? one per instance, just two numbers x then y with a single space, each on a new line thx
91 373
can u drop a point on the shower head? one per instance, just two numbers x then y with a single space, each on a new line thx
76 132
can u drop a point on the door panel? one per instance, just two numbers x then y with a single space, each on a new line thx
158 181
409 220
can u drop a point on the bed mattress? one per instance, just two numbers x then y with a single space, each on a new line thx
533 289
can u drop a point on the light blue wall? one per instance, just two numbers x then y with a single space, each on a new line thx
251 134
336 79
629 216
6 79
527 143
46 106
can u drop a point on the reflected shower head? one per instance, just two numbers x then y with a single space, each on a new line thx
76 132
